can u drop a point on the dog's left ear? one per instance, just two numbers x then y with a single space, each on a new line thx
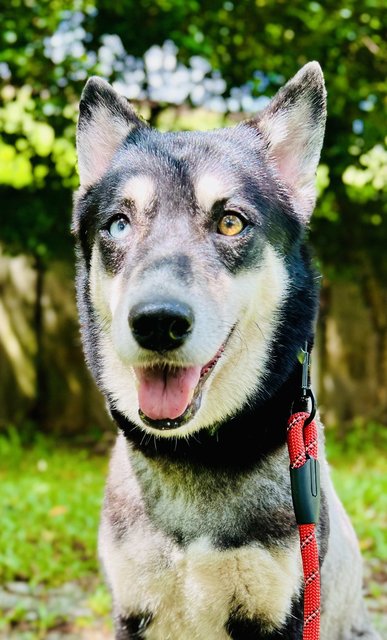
292 127
105 121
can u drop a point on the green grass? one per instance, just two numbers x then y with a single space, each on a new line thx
363 490
359 472
50 501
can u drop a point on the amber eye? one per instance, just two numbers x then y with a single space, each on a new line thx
230 225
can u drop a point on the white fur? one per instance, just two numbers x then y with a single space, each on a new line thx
191 593
209 188
104 290
140 189
251 301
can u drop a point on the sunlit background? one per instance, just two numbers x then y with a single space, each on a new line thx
185 64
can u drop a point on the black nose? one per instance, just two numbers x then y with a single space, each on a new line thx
161 325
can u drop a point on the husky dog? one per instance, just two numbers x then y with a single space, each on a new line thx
196 294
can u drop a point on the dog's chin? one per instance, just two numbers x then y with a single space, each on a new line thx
169 424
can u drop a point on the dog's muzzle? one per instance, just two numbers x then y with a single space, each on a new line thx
169 395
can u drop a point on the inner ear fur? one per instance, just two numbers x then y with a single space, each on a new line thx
105 120
292 127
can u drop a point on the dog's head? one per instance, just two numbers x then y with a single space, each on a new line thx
188 245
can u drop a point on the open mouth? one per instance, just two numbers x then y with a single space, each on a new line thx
170 396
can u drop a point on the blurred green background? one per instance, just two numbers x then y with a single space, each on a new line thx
185 64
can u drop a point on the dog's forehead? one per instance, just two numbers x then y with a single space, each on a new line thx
208 185
210 166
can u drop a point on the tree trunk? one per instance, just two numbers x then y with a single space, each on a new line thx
352 353
38 409
375 296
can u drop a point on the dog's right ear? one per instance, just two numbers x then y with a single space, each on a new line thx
105 120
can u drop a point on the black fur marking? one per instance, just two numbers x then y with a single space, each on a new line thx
113 254
243 629
85 216
291 95
132 628
240 253
358 633
309 88
224 453
99 93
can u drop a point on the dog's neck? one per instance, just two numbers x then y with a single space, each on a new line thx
238 442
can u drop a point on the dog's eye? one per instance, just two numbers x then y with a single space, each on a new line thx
230 225
119 228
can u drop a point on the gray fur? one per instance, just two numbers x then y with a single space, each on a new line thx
198 538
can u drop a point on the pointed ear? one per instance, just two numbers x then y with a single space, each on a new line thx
292 127
105 120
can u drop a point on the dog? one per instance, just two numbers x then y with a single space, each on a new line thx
196 292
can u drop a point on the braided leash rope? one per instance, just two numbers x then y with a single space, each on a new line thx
302 445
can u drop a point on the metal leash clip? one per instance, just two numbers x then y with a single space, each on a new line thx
307 391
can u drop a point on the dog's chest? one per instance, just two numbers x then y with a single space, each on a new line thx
192 593
192 586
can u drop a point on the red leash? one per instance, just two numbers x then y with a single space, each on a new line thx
304 473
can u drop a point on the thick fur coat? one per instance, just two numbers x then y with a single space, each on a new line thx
196 294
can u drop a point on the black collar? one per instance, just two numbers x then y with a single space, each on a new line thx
239 442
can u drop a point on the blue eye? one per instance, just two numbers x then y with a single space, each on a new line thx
119 228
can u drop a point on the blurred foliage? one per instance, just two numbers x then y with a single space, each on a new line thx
250 48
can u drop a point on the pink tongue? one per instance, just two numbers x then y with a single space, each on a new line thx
164 393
